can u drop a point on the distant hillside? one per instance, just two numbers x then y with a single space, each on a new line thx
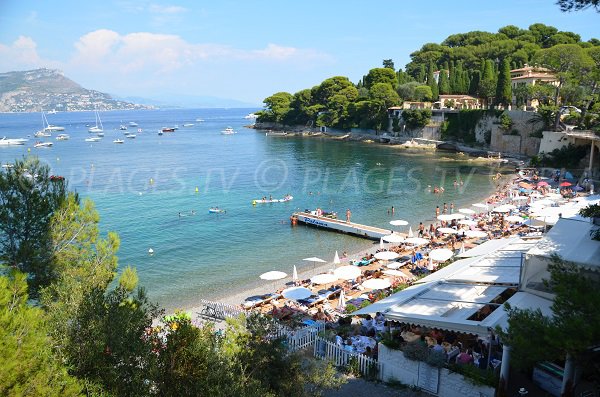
48 89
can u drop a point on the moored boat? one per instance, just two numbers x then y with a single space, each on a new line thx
216 210
62 137
42 144
118 141
264 200
168 129
8 142
93 139
228 131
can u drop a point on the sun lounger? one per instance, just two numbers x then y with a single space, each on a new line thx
217 310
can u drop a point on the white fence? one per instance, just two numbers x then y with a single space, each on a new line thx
302 337
341 357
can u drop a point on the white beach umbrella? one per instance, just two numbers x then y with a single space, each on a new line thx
467 211
475 233
386 255
445 217
462 248
514 219
342 301
542 202
501 209
324 278
395 273
441 254
458 216
416 241
295 274
377 283
410 232
348 272
447 230
467 222
393 238
381 245
314 260
296 293
273 275
480 205
399 222
520 198
430 264
336 259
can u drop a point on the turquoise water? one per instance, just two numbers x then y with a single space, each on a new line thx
202 255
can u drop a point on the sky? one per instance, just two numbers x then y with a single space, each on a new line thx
248 49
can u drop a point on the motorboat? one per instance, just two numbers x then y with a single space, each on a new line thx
168 129
199 120
62 137
42 144
216 210
123 127
130 136
160 132
133 124
266 201
228 131
53 111
98 127
100 134
42 134
8 142
188 125
250 116
93 139
118 141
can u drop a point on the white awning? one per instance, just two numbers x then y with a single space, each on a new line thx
488 247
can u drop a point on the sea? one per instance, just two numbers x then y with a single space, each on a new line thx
156 191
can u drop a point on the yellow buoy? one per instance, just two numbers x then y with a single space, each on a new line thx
196 189
253 202
151 181
28 149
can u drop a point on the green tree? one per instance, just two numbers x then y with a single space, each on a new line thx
487 83
562 60
431 81
589 75
388 63
407 91
578 5
423 93
28 366
28 198
277 106
416 118
381 75
443 83
503 86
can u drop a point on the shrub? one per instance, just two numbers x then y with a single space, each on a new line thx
506 122
416 118
475 375
416 351
350 308
567 157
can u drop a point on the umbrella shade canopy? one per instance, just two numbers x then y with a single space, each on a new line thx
475 233
347 272
395 273
399 222
520 198
541 203
480 205
441 254
342 301
458 216
393 238
386 255
514 219
410 232
295 274
336 259
377 283
324 278
430 264
467 211
565 183
394 265
467 222
447 230
273 275
416 241
381 243
462 248
296 293
501 209
314 259
445 217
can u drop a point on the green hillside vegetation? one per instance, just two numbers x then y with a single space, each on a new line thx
474 63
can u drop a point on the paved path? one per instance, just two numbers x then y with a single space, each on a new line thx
357 387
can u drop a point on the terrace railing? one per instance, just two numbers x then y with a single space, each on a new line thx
342 358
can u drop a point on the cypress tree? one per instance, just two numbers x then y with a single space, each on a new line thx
443 83
503 87
422 74
465 82
453 80
474 82
431 81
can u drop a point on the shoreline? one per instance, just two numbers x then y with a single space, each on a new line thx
261 287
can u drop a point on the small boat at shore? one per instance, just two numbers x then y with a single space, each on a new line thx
216 210
228 131
62 137
168 129
188 125
266 201
276 133
42 144
118 141
9 142
93 139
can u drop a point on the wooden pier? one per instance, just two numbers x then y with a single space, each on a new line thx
337 225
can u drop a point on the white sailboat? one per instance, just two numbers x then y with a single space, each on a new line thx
47 128
98 127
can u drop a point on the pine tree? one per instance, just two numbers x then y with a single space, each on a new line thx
503 87
431 81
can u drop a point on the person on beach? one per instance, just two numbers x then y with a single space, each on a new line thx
437 211
421 229
348 215
452 208
393 210
445 210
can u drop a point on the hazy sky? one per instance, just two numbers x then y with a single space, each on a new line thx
245 49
